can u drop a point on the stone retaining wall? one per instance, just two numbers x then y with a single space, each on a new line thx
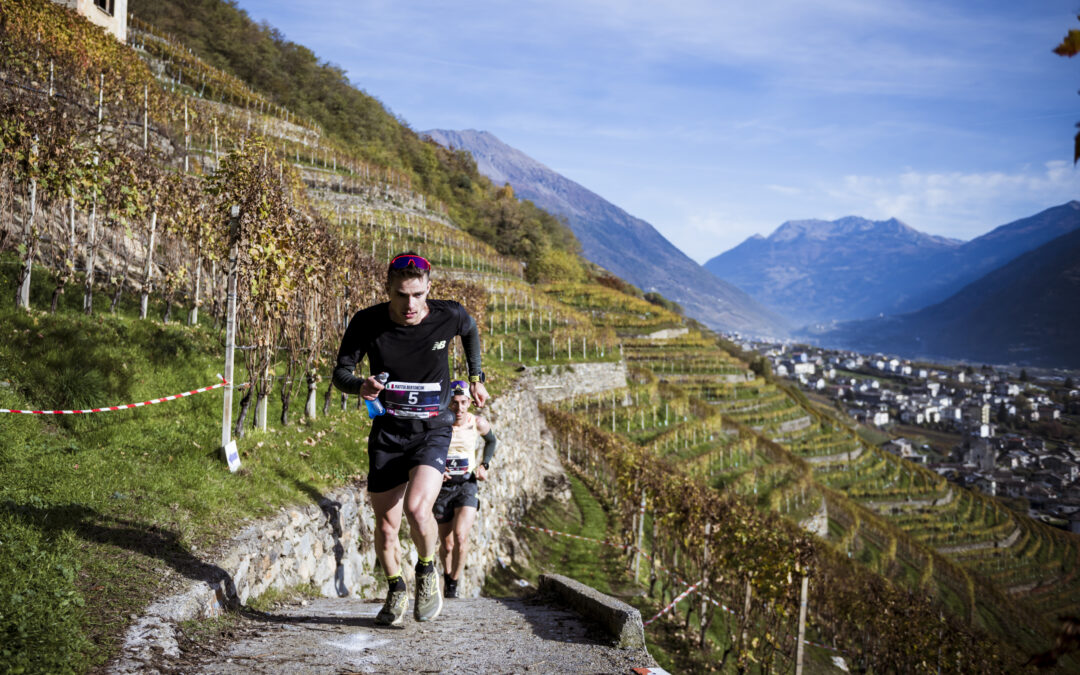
555 383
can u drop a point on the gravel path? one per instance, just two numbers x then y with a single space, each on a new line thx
479 635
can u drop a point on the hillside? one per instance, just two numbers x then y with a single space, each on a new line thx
853 268
719 474
627 246
348 120
1026 312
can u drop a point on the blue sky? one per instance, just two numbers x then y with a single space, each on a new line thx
715 121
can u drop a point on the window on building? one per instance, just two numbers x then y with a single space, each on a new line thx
106 6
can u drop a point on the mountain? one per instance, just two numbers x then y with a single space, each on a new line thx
816 270
626 246
1026 312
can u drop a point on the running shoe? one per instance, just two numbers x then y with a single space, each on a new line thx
449 587
428 601
393 611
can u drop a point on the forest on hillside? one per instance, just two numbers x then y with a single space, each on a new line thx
292 76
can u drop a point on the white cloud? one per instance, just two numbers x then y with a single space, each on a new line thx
957 204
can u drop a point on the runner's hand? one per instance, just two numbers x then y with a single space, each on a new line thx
481 472
478 392
445 476
371 388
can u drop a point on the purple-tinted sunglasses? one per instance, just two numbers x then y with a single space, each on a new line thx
407 259
458 385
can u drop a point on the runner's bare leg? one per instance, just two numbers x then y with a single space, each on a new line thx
464 517
446 548
424 485
388 507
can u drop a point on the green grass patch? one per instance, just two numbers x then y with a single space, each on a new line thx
272 597
99 513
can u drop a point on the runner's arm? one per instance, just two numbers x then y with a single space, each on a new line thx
488 434
350 354
470 342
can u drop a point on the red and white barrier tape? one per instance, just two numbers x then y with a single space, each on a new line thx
118 407
556 533
674 602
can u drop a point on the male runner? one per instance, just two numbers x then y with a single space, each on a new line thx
408 338
457 504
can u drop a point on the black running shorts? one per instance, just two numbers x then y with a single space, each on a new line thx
393 451
452 497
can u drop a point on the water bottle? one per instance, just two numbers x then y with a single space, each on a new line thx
375 408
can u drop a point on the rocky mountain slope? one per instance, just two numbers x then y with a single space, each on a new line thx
627 246
815 270
1026 312
851 268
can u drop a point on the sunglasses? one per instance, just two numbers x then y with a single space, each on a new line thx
459 386
409 260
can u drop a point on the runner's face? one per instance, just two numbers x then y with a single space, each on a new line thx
408 300
459 405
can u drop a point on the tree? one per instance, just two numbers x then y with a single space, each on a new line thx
1070 47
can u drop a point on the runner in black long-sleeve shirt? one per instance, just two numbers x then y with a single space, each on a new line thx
408 338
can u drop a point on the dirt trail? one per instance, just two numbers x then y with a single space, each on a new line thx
479 635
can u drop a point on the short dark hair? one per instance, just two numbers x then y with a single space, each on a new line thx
410 272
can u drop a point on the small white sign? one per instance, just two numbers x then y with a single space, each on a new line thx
232 456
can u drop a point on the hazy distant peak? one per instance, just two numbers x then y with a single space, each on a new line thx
849 226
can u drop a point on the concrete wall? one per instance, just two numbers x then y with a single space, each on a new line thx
116 23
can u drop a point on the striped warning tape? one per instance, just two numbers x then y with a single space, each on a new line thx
557 533
119 407
674 602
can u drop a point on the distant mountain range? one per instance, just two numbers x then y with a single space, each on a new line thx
852 268
627 246
1026 312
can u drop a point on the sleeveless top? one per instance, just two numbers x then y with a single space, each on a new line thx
461 457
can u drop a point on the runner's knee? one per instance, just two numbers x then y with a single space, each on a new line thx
461 539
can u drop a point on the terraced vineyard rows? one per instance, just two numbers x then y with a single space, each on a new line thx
920 512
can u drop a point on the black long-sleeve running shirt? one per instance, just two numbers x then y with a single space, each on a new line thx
415 356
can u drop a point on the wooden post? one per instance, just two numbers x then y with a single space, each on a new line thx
802 627
22 299
640 536
145 117
230 327
144 300
704 616
312 385
187 136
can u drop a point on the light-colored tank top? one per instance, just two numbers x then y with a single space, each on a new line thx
461 457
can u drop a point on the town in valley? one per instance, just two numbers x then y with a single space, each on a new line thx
1010 432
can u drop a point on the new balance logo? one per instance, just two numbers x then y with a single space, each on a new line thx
441 344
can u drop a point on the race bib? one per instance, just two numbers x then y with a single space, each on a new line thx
457 466
417 400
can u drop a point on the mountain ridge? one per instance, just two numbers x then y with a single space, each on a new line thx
627 246
853 268
1024 312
